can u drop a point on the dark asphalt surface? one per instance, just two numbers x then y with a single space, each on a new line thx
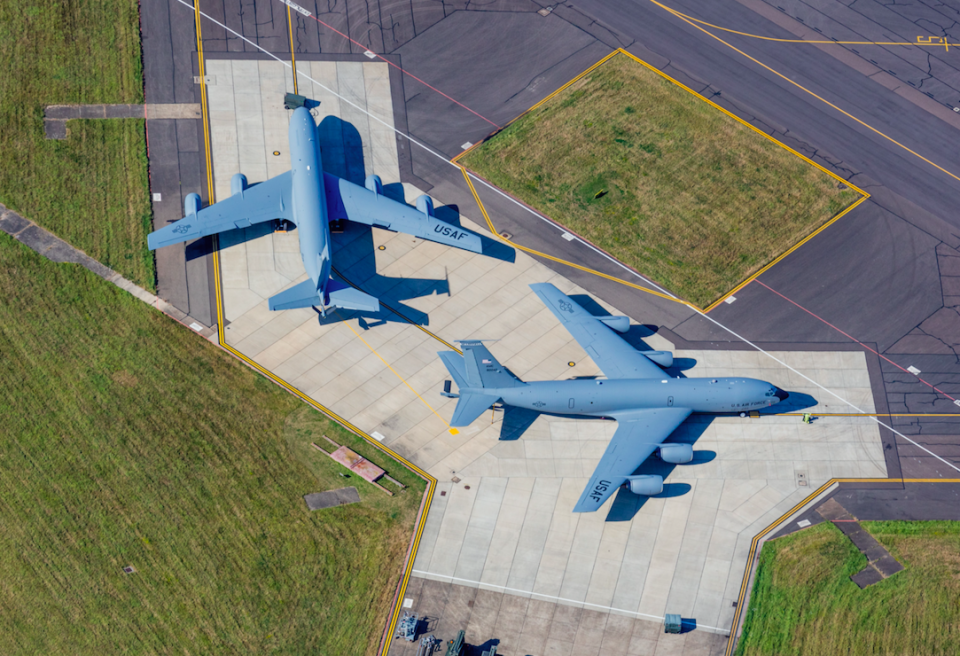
888 273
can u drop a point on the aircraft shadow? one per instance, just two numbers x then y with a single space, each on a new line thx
354 254
626 504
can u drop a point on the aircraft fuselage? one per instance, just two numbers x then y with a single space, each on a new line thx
309 198
606 397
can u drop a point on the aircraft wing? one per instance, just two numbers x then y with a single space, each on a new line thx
258 203
346 200
615 357
638 435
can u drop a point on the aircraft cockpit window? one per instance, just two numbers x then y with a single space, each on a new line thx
771 392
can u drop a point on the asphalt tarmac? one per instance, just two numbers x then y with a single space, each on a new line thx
887 274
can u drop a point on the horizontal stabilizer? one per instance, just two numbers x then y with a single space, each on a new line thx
483 370
470 406
454 364
349 298
303 295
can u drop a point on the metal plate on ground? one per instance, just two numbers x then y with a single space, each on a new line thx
332 498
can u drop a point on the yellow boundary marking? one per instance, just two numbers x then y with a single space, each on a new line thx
467 173
453 431
748 572
293 60
222 342
942 43
803 88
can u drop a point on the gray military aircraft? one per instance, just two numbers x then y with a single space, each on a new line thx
646 402
309 198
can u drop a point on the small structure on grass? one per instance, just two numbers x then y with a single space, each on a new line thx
358 464
332 498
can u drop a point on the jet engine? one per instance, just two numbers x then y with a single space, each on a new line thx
238 183
191 204
676 454
620 324
374 184
645 485
425 204
662 358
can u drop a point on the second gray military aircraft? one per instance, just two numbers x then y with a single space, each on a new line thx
646 402
310 198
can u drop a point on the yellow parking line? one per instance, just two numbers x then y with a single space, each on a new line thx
293 60
453 431
803 88
525 249
928 42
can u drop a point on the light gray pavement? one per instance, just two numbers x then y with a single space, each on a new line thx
501 520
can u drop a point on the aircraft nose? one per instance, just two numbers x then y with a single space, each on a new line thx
780 394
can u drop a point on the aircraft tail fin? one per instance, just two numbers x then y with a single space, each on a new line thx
303 295
349 298
481 369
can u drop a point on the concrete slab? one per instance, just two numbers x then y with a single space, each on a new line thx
504 524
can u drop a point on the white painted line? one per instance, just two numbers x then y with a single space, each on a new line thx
729 299
466 145
371 55
196 326
491 586
156 198
568 236
408 603
378 436
804 524
543 218
914 371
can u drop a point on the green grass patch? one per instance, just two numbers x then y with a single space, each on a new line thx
693 198
804 602
91 189
125 439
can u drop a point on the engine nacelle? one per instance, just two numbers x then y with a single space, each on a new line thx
676 454
374 184
238 183
662 358
645 485
191 204
620 324
425 204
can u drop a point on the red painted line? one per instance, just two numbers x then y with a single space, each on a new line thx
405 72
849 336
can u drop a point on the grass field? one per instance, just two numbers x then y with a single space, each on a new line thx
693 198
126 439
90 189
803 601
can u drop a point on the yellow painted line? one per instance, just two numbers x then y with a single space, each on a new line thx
929 41
748 572
776 260
533 107
222 342
863 194
803 88
525 249
453 431
401 315
858 414
293 60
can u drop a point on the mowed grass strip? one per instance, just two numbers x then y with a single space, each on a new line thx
688 196
127 440
90 189
804 602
